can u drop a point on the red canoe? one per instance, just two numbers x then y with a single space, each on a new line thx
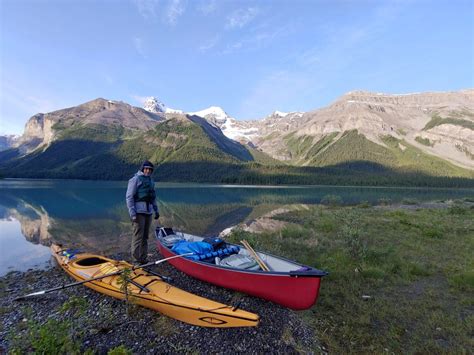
287 283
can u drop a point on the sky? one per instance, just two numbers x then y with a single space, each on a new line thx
248 57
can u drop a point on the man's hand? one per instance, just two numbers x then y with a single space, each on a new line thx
157 215
134 219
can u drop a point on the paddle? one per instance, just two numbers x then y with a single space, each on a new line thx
98 277
257 258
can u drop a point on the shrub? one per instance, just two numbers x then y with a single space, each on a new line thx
52 337
463 281
294 232
326 225
432 232
77 304
364 204
424 141
165 326
331 200
354 244
409 201
119 350
385 201
458 209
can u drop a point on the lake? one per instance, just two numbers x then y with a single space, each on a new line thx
92 214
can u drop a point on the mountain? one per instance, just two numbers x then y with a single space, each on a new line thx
436 124
104 139
240 131
7 141
361 138
408 130
43 129
153 105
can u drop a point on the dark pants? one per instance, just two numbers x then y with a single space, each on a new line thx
141 229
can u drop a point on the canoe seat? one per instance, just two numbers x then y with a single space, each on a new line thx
239 261
167 236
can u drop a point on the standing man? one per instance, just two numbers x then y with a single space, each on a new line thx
141 202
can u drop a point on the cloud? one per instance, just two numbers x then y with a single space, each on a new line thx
209 44
149 10
146 8
303 76
207 8
258 39
139 46
241 17
17 104
175 9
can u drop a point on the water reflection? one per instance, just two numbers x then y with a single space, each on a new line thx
92 215
16 253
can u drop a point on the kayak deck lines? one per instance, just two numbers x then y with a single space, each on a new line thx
177 304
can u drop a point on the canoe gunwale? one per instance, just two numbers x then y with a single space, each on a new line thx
312 272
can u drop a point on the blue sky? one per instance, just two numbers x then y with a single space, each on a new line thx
249 57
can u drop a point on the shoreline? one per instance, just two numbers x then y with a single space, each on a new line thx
102 323
177 184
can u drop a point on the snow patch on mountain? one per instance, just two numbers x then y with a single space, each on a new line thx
233 130
230 127
215 112
153 105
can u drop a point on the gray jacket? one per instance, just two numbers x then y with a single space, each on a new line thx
141 206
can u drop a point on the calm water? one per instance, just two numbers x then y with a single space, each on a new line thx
93 216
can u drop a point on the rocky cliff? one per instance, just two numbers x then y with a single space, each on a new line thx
440 124
41 129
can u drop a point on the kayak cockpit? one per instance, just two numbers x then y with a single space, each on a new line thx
92 261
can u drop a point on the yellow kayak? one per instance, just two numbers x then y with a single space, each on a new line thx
151 291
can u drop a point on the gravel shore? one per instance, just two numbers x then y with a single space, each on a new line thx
102 323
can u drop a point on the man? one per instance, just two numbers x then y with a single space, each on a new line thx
141 202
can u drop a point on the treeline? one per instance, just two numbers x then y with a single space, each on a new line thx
184 152
108 167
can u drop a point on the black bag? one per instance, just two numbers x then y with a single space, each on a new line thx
216 242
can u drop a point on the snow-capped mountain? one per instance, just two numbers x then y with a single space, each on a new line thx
241 131
214 114
153 105
439 124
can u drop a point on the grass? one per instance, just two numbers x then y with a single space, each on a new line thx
331 200
437 120
298 145
414 267
119 350
165 326
51 337
75 305
424 141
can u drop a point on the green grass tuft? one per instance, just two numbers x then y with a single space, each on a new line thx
463 281
437 120
120 350
424 141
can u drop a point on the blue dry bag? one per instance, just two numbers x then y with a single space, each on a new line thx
198 248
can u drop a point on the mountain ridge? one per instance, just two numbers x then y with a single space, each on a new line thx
420 133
